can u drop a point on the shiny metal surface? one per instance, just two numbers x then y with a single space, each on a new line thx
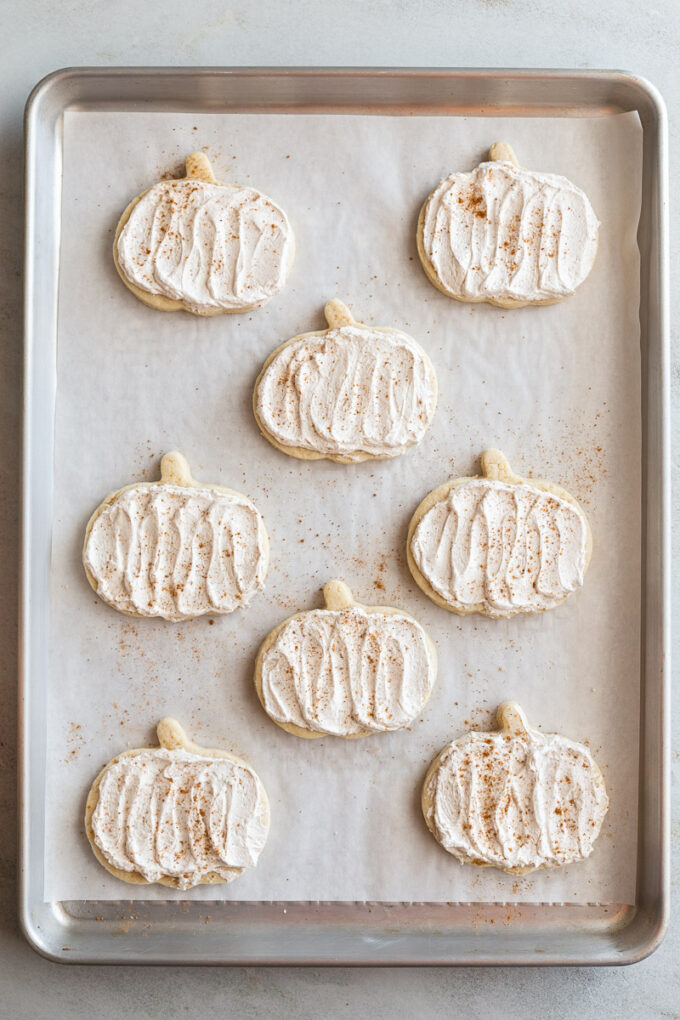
344 933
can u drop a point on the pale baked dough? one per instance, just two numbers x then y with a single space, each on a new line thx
499 152
198 168
337 596
171 736
508 721
174 471
337 314
494 466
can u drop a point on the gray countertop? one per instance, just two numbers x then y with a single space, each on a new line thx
39 36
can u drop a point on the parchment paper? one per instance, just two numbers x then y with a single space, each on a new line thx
556 388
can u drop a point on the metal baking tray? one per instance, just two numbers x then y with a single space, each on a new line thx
322 933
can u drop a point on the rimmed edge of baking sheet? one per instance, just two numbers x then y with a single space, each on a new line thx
343 933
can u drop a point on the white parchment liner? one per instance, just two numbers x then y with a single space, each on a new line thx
556 388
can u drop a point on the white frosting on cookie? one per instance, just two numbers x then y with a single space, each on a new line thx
348 672
174 814
503 233
177 551
509 548
212 246
351 390
525 800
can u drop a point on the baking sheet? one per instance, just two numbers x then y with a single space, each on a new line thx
558 389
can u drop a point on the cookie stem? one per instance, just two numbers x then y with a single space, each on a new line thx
175 469
511 718
501 152
337 595
496 467
338 314
198 168
171 736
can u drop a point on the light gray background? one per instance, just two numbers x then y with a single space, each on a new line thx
40 36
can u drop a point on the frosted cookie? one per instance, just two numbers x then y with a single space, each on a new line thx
347 670
515 799
347 393
206 247
506 235
176 548
179 815
498 544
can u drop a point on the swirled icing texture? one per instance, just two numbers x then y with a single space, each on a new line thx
502 233
525 801
174 814
349 391
213 247
177 552
501 548
348 672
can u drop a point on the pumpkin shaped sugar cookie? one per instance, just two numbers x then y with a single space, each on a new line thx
179 814
203 246
176 548
346 670
498 544
515 799
506 235
347 393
